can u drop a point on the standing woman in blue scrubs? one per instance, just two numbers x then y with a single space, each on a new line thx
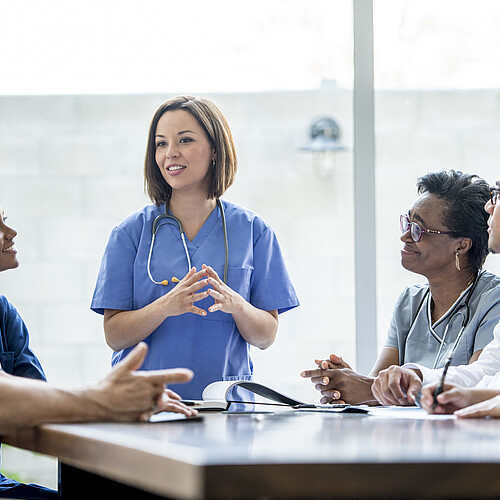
168 289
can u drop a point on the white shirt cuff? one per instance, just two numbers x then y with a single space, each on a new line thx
429 375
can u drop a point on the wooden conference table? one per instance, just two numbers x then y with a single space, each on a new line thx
390 453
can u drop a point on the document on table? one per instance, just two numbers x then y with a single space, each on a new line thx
411 412
393 412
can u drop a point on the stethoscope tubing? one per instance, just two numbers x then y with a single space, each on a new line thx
459 336
465 321
178 223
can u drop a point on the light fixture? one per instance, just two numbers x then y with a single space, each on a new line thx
324 134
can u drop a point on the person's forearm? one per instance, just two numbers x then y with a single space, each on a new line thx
365 394
256 326
125 329
28 402
388 356
479 395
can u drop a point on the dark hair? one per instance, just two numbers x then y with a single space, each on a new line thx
464 196
219 135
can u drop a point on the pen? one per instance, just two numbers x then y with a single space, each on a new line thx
439 388
417 399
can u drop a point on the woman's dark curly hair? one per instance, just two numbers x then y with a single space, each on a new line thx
464 196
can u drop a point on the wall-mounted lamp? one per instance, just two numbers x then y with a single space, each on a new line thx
324 135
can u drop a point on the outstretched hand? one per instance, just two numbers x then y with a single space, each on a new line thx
128 394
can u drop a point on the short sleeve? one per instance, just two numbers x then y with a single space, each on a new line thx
393 332
19 359
271 287
406 309
115 282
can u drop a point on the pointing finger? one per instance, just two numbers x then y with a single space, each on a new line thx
134 360
170 376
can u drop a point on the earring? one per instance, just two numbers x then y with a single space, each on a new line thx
457 261
213 163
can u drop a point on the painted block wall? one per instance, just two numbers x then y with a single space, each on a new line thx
71 168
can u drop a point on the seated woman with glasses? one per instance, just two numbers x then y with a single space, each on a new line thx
445 240
453 389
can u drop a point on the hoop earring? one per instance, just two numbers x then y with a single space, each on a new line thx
457 261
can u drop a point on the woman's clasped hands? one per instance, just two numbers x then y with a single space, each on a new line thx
329 378
182 298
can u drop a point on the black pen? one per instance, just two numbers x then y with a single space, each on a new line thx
439 388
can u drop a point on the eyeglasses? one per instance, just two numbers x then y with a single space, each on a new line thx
494 192
416 231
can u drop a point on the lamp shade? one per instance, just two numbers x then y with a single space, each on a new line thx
324 135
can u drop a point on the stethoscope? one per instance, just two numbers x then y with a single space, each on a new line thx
456 311
177 222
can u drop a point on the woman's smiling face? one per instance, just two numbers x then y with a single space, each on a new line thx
434 252
183 152
8 252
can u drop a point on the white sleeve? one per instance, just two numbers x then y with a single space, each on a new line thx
489 382
429 375
487 365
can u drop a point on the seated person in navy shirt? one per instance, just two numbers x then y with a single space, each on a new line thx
16 356
123 395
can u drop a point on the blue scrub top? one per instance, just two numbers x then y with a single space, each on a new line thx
211 345
16 356
418 340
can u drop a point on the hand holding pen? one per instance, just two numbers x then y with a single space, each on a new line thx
440 386
453 398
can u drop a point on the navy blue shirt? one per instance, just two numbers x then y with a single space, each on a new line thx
16 356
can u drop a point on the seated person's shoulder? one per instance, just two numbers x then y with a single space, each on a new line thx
412 294
5 305
488 282
487 289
